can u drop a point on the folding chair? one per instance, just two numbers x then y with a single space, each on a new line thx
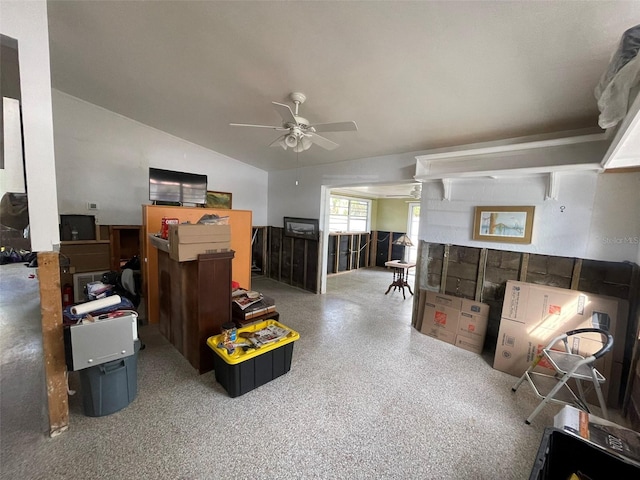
567 366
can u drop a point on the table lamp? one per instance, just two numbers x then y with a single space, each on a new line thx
405 241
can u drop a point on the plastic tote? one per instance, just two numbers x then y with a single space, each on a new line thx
110 387
242 371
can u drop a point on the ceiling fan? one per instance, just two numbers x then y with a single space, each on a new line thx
415 193
299 133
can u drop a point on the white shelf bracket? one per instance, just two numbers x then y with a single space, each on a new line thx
553 185
446 187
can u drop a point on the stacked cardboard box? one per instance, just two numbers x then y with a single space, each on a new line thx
455 320
187 241
532 315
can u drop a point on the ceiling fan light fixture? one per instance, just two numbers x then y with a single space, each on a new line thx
290 141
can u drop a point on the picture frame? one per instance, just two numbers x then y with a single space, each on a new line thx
504 224
306 228
218 200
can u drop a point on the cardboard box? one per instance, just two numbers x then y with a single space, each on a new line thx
187 252
473 344
516 349
446 336
441 299
561 310
447 317
444 318
518 346
199 233
187 241
473 326
472 307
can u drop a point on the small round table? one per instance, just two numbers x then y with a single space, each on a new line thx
400 272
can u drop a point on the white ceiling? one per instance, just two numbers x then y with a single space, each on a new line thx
412 75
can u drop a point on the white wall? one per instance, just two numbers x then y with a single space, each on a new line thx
104 157
304 200
600 219
27 23
615 225
309 199
591 212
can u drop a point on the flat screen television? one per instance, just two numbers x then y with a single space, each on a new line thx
172 188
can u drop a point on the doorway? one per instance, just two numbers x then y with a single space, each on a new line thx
413 229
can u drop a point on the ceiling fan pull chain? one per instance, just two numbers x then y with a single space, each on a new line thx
297 164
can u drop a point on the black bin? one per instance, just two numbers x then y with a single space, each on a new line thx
562 454
110 387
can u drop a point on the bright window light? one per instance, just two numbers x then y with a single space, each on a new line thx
349 214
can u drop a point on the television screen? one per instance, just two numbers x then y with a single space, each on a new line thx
168 186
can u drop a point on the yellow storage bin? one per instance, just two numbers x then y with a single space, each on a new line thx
243 370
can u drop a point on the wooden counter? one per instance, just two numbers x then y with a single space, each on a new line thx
194 302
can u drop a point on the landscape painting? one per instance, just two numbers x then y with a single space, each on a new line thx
306 228
503 224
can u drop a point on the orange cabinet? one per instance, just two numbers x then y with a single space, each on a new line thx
240 221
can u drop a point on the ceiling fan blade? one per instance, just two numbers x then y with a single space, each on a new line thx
258 126
279 142
321 141
285 112
335 127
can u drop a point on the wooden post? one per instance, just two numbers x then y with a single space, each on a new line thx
53 342
336 260
577 269
280 250
373 252
367 251
445 268
304 264
291 259
524 267
482 265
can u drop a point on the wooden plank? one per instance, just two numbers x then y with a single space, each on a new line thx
280 250
482 266
55 367
445 268
266 263
304 267
291 259
524 267
575 277
350 253
367 249
373 252
418 307
336 262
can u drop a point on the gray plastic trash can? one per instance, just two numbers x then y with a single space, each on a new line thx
110 387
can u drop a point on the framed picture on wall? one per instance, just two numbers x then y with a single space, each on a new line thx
306 228
503 224
218 200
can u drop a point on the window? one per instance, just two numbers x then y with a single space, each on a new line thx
349 214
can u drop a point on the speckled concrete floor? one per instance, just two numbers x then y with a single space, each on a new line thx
367 397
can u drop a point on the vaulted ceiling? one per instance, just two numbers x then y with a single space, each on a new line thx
413 75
